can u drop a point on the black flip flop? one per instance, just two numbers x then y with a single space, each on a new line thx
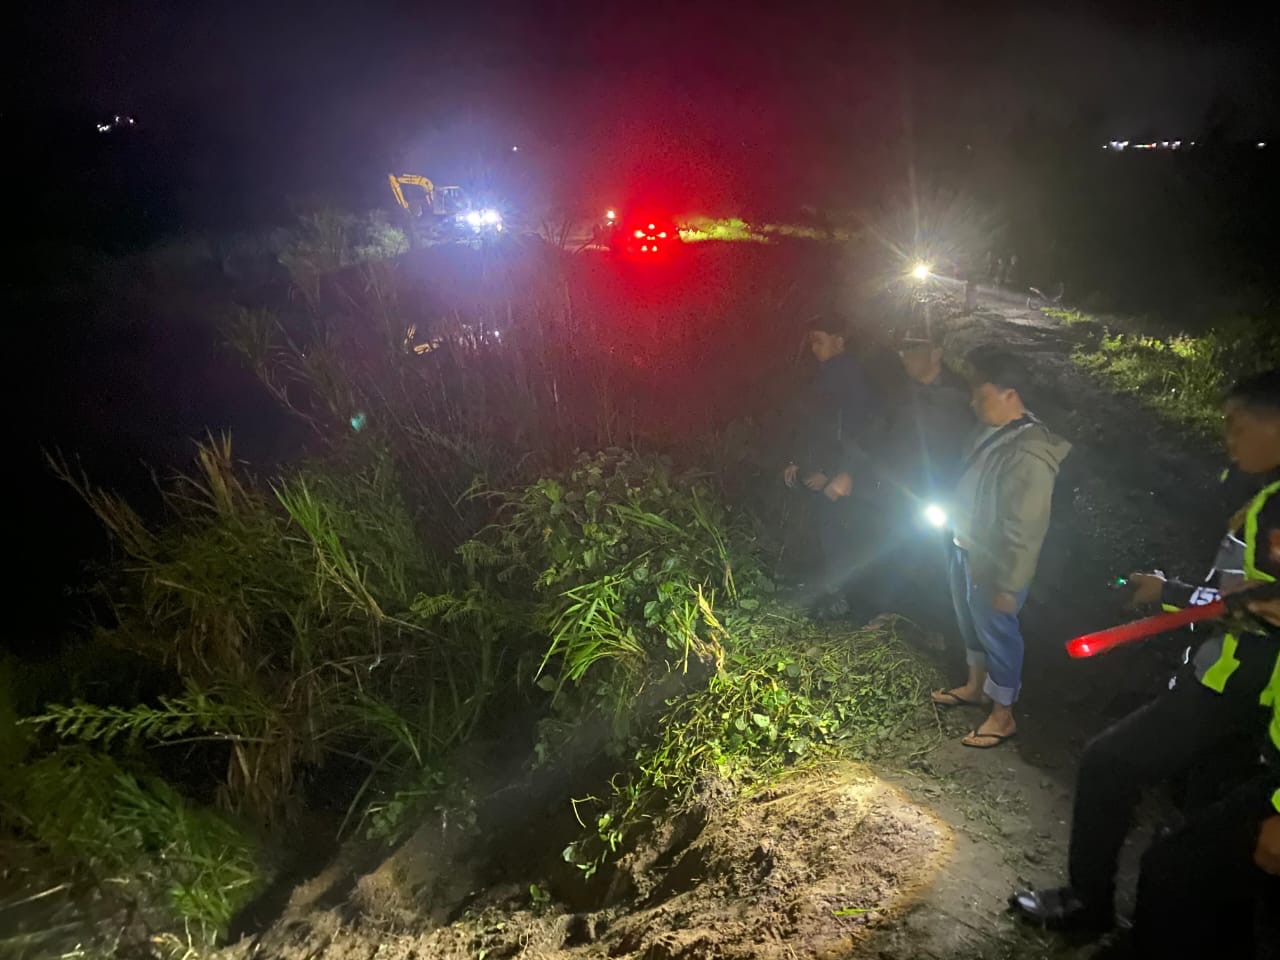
1000 740
955 701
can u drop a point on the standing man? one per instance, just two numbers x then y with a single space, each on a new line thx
937 421
1196 887
1000 515
845 413
930 431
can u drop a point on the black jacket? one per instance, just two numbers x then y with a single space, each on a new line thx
932 433
845 411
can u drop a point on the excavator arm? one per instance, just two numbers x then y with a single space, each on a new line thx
411 180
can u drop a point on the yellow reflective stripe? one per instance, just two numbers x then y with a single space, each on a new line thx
1271 698
1275 800
1251 570
1271 692
1216 677
1169 608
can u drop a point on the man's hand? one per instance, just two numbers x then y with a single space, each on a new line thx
816 481
1268 610
789 474
1147 588
1004 602
841 485
1267 853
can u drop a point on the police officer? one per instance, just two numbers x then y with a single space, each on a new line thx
1198 885
1218 703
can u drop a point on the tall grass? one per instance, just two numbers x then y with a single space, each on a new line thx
441 553
287 612
1182 377
135 838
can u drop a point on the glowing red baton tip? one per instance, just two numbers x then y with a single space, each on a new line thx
1092 644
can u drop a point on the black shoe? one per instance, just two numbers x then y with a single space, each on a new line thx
1060 908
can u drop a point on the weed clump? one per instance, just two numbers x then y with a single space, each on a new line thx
167 857
785 692
1181 377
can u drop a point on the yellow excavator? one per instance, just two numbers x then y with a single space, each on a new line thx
436 201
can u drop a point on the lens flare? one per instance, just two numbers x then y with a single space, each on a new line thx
935 515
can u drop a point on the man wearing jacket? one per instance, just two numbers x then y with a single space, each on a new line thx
931 425
934 425
1000 515
1197 885
845 412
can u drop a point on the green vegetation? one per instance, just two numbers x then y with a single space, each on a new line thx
621 554
419 578
725 230
784 692
1069 317
106 825
735 230
1182 377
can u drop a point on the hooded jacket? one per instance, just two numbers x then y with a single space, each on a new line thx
1002 500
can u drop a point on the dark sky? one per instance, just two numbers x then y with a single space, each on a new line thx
725 97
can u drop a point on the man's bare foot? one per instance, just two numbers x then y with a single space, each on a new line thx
993 731
965 696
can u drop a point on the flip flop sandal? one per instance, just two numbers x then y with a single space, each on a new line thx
954 701
1000 740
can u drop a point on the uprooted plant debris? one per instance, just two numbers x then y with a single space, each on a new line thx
804 867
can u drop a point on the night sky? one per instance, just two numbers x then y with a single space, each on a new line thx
728 100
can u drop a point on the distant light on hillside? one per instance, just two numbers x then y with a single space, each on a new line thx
118 122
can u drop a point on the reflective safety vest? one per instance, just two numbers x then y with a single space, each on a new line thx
1220 671
1271 698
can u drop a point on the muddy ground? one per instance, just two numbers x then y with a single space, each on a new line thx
805 868
911 858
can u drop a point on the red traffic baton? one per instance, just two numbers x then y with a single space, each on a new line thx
1092 644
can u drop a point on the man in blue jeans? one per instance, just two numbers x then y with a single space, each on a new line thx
1000 515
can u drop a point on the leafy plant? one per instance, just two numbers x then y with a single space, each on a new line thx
782 695
106 825
620 554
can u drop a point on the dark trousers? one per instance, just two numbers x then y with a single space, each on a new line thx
1183 729
1199 888
856 539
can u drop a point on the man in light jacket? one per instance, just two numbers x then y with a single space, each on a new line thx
1000 515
